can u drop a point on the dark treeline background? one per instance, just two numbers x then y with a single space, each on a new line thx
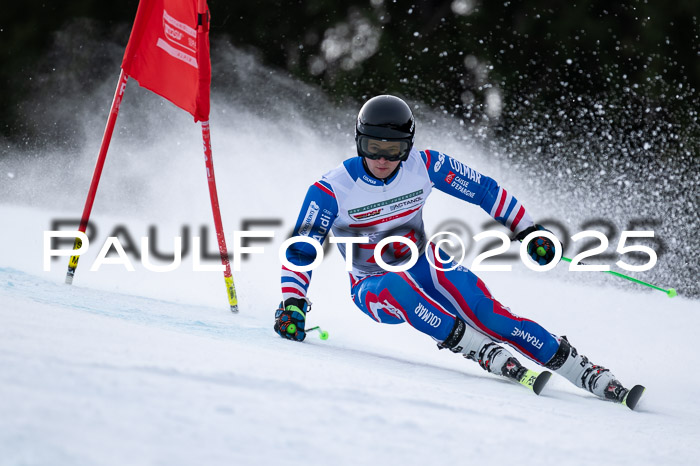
485 62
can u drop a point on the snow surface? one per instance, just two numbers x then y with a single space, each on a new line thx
89 376
152 368
148 368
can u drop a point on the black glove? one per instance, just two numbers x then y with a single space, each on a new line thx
541 249
290 319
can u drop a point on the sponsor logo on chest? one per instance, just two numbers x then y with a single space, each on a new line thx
369 180
371 210
363 215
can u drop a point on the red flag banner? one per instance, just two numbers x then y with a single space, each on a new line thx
168 53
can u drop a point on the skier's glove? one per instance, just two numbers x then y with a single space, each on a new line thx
541 249
290 319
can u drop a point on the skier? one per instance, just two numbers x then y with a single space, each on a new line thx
381 193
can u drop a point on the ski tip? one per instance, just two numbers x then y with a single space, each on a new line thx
633 396
535 381
541 381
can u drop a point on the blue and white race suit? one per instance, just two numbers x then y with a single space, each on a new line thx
351 203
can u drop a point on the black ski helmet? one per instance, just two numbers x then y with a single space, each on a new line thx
386 118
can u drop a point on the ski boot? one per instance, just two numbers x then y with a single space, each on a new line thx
492 357
598 380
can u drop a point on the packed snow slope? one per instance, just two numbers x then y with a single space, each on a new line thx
95 377
150 368
154 369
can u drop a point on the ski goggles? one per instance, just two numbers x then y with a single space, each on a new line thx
391 150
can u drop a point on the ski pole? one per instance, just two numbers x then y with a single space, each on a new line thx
322 334
670 292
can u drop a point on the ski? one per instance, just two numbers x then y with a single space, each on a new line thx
633 395
535 381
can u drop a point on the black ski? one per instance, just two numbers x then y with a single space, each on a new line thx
632 397
541 381
535 381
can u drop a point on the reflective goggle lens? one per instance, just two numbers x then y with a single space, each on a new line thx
391 150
